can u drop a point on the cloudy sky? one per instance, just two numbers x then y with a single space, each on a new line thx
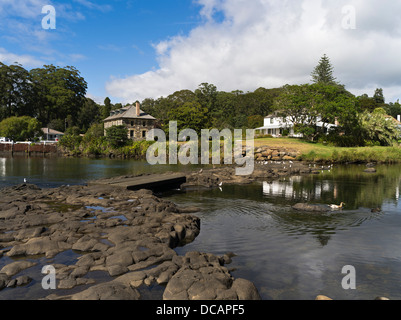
134 49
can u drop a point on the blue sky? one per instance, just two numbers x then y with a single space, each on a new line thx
133 49
100 38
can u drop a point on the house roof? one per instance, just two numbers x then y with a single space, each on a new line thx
128 112
51 131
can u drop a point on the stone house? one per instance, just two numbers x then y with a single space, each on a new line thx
138 122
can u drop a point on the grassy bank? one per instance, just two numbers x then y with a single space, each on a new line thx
318 152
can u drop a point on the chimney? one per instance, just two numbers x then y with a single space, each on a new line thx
138 110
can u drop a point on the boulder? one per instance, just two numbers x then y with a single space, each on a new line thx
16 267
310 207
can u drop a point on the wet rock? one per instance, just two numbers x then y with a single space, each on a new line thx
245 290
108 291
201 277
310 207
370 170
37 246
134 251
16 267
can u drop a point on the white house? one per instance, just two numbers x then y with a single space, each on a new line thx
275 126
51 135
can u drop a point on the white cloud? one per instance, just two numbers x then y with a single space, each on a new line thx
270 43
26 61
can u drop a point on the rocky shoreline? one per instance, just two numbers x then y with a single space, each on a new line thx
128 235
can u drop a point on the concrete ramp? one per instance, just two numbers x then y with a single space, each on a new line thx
152 182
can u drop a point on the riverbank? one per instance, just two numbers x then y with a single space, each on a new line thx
275 149
317 152
128 236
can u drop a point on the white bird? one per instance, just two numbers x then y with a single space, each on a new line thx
334 206
220 184
24 180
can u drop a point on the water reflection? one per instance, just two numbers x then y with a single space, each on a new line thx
53 172
289 189
344 184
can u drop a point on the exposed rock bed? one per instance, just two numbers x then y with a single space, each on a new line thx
128 235
262 171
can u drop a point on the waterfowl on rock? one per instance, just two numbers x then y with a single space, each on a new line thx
334 206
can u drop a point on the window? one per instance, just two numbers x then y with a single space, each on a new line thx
131 133
271 120
143 134
144 123
132 123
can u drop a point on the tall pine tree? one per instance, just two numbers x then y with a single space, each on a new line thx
323 72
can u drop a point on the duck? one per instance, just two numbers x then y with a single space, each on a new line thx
336 207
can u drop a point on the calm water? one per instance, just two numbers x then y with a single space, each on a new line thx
287 254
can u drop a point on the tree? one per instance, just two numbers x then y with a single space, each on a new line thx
16 91
190 115
106 108
60 92
255 121
305 104
117 136
378 96
89 114
323 72
20 128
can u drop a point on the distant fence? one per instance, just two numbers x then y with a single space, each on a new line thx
27 149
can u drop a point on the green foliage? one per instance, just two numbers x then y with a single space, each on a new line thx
73 131
304 105
190 115
255 121
224 109
377 127
59 92
117 136
71 142
20 128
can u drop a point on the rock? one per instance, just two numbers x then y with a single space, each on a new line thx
321 297
16 267
381 298
245 290
37 246
310 207
3 280
108 291
23 280
370 170
201 277
289 158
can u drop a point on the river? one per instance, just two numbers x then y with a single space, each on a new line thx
287 254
